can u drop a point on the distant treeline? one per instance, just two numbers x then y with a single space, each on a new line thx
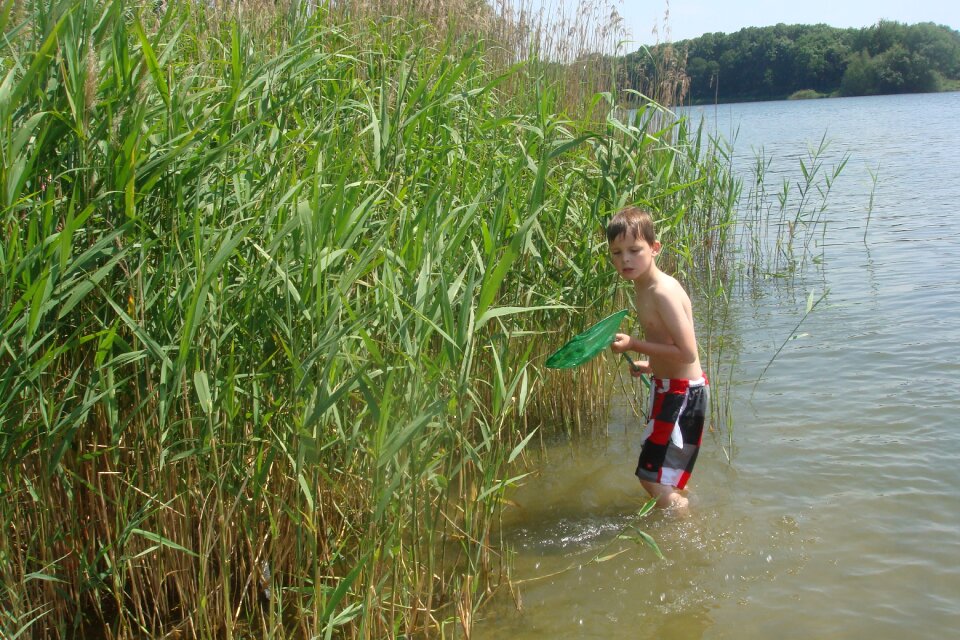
765 63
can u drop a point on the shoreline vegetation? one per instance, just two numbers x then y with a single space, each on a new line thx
276 284
787 61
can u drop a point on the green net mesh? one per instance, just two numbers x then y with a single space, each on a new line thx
584 346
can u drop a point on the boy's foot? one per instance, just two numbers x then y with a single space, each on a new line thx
678 501
667 497
679 506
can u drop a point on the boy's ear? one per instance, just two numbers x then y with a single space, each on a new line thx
656 247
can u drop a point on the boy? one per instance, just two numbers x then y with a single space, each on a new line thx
679 393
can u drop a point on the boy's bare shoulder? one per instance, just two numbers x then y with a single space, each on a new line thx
669 288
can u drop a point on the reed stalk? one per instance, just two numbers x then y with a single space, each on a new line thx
276 284
779 231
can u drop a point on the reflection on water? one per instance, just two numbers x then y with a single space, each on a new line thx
839 516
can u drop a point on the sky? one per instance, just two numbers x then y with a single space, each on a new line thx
693 18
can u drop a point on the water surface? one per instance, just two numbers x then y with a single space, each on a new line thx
839 514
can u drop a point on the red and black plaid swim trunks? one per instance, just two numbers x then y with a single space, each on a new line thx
671 441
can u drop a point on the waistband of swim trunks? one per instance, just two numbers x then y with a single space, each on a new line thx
679 385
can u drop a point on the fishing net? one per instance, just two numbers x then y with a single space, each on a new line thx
584 346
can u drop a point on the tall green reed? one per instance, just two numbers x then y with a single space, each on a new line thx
780 230
275 289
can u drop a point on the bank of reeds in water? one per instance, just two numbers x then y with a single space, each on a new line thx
275 296
782 232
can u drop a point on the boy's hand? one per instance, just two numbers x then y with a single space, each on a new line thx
640 367
621 343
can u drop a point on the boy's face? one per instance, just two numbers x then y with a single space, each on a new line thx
632 256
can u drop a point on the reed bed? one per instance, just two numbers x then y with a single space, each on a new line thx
781 232
276 286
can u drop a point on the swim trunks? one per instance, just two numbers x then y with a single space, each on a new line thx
672 438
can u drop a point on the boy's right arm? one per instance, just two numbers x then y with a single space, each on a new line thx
622 343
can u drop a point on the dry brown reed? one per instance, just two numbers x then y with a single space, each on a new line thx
580 45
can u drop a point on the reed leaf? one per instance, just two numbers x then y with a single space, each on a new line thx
274 287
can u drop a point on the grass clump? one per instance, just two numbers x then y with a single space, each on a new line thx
274 285
807 94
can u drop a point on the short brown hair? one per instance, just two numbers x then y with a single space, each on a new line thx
639 222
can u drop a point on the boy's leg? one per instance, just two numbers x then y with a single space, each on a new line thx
662 466
666 495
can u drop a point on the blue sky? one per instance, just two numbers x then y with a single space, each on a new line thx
692 18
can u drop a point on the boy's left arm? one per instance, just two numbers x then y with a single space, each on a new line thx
678 325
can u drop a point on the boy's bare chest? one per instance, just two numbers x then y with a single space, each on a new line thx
650 321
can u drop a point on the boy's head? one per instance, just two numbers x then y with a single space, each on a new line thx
633 244
633 221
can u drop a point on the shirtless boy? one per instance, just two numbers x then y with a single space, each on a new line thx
679 394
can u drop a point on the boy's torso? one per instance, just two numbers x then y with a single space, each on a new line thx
654 329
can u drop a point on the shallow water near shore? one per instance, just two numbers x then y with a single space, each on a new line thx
839 513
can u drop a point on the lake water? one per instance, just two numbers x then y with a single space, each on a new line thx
838 515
